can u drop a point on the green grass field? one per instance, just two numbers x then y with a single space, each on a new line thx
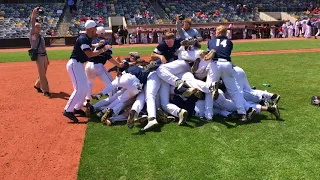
263 149
238 47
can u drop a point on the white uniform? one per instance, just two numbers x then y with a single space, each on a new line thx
290 31
244 33
160 37
97 70
304 26
296 29
229 35
128 81
308 31
284 30
165 100
151 37
272 32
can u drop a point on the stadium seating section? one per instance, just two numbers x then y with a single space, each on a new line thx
15 19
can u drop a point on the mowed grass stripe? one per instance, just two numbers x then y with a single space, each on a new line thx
238 47
264 149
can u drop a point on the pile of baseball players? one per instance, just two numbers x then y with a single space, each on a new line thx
179 81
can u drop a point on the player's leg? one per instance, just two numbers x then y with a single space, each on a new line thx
214 75
104 76
233 88
91 74
191 81
80 86
152 88
167 72
200 110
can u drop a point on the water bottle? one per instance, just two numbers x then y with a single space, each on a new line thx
267 85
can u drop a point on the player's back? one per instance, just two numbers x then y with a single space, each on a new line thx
222 46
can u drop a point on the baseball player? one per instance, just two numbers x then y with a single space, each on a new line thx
244 32
317 24
284 30
95 66
131 60
304 26
221 67
80 54
308 31
290 30
297 28
160 36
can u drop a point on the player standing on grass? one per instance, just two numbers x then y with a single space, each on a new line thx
80 54
221 67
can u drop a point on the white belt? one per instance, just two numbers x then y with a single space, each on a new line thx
222 60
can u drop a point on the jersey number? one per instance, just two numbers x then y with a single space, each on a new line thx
223 43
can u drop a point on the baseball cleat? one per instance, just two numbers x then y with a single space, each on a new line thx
195 66
179 83
106 115
71 116
163 117
276 99
189 92
142 120
275 111
243 118
99 114
90 109
152 122
47 94
183 115
86 102
214 90
38 89
132 116
250 114
97 96
79 112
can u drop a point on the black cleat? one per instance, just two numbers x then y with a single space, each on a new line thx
38 89
71 116
132 116
47 94
214 90
79 112
275 111
195 66
97 96
89 110
275 100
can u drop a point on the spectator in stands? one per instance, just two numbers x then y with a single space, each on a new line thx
244 9
217 13
37 41
186 32
238 10
70 4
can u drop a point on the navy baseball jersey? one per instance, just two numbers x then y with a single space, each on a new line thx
139 72
103 57
223 47
83 43
168 52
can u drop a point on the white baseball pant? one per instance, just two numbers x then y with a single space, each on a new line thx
80 85
190 55
248 93
167 72
254 36
139 102
308 32
165 100
223 69
226 104
127 81
200 110
152 88
304 28
318 33
203 69
97 70
191 81
105 102
296 31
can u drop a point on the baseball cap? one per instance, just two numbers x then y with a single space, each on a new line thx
101 30
90 24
